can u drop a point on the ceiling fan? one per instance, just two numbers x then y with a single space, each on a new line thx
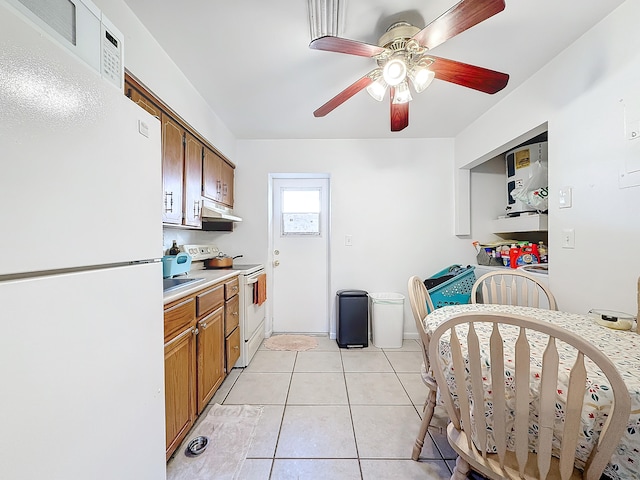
403 55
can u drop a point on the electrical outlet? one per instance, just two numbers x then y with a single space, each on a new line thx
568 238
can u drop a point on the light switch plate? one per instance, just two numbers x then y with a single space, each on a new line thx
568 238
564 197
348 240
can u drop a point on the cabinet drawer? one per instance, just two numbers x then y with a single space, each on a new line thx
209 300
231 315
178 317
231 288
232 349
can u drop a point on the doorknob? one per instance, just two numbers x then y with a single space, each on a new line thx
276 252
276 263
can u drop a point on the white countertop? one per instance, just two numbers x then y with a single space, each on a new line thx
210 277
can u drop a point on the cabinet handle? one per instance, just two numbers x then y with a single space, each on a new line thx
236 347
218 186
196 208
168 202
204 325
196 331
182 335
234 313
225 190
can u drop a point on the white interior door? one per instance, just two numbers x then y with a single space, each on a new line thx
300 239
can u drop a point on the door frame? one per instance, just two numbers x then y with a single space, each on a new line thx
271 258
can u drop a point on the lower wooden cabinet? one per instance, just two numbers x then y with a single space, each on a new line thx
179 387
210 341
196 351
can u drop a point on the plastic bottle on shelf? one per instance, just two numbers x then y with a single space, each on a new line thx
174 250
542 250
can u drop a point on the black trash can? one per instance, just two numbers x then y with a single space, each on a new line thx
352 318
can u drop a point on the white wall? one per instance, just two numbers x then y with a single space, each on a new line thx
395 197
579 94
148 62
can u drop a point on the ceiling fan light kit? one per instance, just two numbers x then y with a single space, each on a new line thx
378 88
394 71
402 52
402 94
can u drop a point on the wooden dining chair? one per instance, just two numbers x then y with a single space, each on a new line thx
421 305
503 409
511 287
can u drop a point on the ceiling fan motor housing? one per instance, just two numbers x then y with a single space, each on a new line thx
397 35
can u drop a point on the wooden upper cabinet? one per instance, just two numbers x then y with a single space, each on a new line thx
173 137
192 181
141 100
227 184
217 178
191 168
212 176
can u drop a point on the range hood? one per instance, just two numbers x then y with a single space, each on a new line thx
212 212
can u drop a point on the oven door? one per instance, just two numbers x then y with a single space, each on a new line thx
254 314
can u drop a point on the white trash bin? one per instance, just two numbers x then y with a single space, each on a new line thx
387 319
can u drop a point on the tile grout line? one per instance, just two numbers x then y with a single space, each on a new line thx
284 411
353 427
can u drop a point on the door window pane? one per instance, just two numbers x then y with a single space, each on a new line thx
300 211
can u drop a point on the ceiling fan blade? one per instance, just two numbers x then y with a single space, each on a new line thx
399 114
343 96
470 76
344 45
457 19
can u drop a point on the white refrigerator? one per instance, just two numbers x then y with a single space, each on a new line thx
81 321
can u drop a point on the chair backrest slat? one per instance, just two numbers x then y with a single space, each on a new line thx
573 410
459 373
499 399
513 290
547 405
521 422
475 372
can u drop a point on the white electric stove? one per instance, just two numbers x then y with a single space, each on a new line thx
252 315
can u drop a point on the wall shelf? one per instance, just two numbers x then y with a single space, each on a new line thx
524 223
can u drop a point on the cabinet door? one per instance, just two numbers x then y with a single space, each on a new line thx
227 175
210 347
192 181
212 176
172 169
233 348
179 388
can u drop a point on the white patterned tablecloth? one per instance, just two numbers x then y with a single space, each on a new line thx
622 347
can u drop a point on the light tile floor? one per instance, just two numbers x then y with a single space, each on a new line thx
333 413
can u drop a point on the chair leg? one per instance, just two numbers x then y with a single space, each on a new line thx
427 415
461 469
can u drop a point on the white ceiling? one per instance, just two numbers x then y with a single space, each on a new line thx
250 60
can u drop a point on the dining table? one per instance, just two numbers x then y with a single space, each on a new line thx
621 346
